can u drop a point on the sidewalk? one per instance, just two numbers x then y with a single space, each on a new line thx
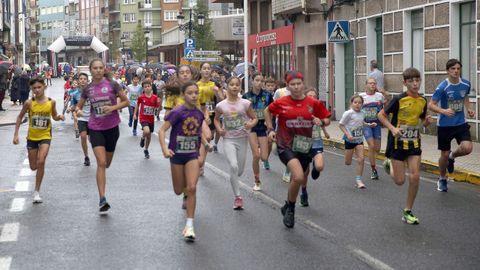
467 168
9 116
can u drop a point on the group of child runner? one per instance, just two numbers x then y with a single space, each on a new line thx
288 122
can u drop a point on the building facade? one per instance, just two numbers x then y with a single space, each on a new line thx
52 25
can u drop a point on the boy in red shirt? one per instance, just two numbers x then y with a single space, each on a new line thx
148 105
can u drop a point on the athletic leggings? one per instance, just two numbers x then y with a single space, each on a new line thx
236 152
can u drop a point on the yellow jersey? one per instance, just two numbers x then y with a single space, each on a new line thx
207 95
40 121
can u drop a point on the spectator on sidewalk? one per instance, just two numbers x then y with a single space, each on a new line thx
24 87
3 88
377 75
14 90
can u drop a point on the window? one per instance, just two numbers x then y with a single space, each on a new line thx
148 18
379 42
129 17
42 11
166 1
148 2
468 43
128 2
170 15
417 39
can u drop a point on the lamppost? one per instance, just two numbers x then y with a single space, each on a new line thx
147 36
124 57
189 25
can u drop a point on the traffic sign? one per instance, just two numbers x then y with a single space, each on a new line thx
189 54
338 31
201 53
190 43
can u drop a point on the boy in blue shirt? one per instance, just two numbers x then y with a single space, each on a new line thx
450 100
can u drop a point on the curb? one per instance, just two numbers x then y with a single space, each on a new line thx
459 175
13 123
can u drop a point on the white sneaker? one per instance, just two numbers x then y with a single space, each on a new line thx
286 176
257 186
36 197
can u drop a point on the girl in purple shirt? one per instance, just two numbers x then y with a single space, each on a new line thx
183 149
103 122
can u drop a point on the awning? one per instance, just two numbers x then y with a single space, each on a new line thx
165 46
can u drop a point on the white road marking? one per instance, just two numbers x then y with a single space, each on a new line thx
25 161
26 172
22 186
5 263
369 259
10 232
17 205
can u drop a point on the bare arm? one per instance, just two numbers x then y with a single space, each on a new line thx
345 131
468 106
55 115
268 122
384 120
161 137
26 107
253 118
216 122
433 106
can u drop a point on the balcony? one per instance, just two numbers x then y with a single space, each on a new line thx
285 7
115 26
149 7
154 24
114 7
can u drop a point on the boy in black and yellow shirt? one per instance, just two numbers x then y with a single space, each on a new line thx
404 144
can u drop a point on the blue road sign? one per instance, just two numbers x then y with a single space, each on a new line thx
338 31
190 43
188 54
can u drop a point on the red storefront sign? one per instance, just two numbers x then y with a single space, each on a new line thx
272 51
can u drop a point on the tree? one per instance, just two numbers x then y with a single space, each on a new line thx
138 44
203 34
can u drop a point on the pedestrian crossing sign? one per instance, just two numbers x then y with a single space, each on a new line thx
338 31
189 54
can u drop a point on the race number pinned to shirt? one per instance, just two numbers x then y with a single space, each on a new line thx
233 122
98 107
357 133
186 144
260 114
409 133
370 113
456 104
210 106
149 110
40 121
302 144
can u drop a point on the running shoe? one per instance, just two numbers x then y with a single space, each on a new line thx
442 185
189 234
86 162
266 165
315 173
304 199
451 165
286 176
288 212
374 175
134 132
103 206
77 133
387 164
409 218
36 197
360 184
257 186
147 154
238 203
142 142
184 202
215 148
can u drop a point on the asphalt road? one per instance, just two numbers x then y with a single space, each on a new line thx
344 228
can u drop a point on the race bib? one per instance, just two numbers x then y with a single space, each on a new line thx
210 106
456 105
40 122
260 114
233 123
133 96
370 113
316 132
148 110
357 133
302 144
409 133
98 108
186 144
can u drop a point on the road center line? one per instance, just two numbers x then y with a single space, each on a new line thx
368 259
10 232
5 263
17 205
22 186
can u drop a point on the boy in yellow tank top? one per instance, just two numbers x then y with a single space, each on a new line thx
41 109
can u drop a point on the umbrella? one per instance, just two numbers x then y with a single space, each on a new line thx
16 70
4 66
240 68
27 67
133 68
155 65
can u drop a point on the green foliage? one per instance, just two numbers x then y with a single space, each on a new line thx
203 34
138 44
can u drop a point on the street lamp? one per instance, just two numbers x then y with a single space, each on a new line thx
122 40
147 36
189 25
